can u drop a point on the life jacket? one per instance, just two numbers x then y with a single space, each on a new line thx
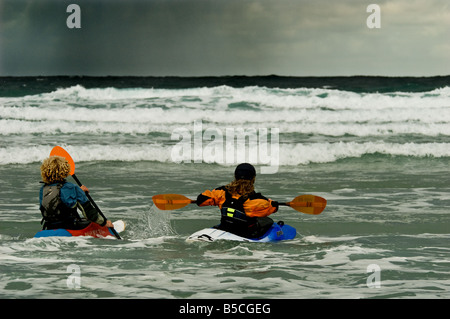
54 212
233 215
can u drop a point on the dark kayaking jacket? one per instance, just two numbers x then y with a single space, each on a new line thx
242 215
59 202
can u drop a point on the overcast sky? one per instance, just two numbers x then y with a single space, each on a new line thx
225 37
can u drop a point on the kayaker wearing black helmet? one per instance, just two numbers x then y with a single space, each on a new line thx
243 211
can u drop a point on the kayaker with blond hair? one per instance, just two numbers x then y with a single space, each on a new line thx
60 200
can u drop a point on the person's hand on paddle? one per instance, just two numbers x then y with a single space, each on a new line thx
109 224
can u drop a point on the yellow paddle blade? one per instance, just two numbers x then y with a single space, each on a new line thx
308 204
59 151
171 201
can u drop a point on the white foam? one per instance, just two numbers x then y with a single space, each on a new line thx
330 152
260 105
223 96
100 114
290 154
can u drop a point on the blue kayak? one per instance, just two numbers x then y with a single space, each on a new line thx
275 233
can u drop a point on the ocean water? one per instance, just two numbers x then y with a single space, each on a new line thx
377 149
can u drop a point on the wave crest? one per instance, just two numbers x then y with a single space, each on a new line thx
289 154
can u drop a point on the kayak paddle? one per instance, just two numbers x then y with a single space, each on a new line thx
171 201
308 204
59 151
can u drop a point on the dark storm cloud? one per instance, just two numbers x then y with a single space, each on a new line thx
219 37
144 37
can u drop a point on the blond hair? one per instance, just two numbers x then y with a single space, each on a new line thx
54 169
241 186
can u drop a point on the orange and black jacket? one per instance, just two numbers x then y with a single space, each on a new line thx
255 204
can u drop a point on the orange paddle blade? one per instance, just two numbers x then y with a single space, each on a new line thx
59 151
308 204
171 201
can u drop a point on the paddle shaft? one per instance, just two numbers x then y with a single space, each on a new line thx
95 206
279 204
307 204
194 202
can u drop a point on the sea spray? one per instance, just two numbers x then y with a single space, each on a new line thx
151 223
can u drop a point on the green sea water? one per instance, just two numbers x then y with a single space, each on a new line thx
378 213
383 169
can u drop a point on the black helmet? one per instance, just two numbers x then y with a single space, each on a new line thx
245 171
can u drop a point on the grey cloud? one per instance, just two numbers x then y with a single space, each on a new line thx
222 37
